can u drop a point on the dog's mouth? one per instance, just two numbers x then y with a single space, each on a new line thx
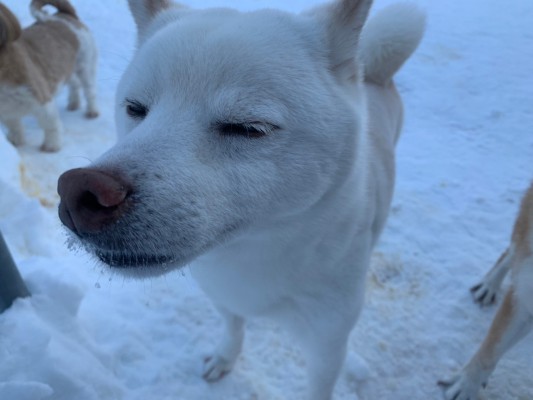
128 260
125 254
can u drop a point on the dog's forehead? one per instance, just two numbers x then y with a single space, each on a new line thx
206 45
258 28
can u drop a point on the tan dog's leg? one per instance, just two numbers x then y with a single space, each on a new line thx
15 131
49 122
86 74
485 292
512 323
74 93
87 78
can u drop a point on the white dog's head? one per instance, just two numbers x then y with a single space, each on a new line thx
226 120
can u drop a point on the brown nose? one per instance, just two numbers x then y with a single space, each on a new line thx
90 199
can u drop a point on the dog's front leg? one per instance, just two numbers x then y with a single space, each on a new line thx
325 362
49 122
324 340
512 323
74 93
221 362
86 75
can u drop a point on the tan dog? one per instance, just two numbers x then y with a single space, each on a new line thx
514 319
36 61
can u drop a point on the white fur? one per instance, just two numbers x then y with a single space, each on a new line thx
383 50
280 226
40 14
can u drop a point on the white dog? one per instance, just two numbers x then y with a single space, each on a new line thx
36 61
257 145
514 319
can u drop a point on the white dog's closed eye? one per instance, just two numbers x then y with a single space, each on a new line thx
136 109
254 129
250 129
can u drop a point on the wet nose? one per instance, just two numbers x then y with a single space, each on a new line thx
91 199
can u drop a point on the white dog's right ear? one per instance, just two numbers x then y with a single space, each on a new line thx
343 21
144 11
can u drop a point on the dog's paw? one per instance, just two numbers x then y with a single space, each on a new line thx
92 114
216 368
459 388
50 147
73 105
484 293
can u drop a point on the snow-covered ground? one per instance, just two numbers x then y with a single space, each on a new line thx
465 157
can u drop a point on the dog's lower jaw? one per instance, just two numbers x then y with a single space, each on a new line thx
129 264
125 260
146 269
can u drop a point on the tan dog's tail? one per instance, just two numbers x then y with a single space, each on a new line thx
62 6
10 29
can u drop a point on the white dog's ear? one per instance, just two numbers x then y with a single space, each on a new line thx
144 11
344 20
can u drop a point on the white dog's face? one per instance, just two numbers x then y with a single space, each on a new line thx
226 122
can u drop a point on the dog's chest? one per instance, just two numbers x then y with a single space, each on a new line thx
266 274
246 282
16 101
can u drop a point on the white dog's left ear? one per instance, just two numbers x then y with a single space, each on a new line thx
144 11
344 21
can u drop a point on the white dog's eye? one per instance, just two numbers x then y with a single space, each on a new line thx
136 110
247 129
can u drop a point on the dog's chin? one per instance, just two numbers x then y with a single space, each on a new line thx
127 260
139 265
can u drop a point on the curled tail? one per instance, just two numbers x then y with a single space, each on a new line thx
62 6
10 29
388 40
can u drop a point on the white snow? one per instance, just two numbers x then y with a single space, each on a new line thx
464 159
